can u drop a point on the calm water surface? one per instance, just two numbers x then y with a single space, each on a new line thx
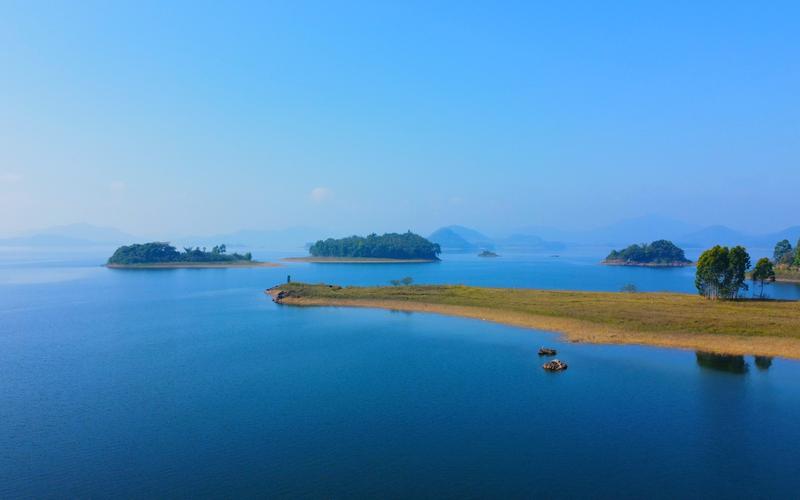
192 383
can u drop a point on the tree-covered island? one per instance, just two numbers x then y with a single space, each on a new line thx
162 254
660 253
390 247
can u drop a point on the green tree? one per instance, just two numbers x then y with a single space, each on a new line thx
797 254
629 288
711 267
145 253
721 272
764 272
783 253
407 280
736 276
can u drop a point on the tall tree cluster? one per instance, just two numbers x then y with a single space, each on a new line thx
722 271
158 252
763 273
784 254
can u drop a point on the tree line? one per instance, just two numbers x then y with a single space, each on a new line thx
158 252
388 246
722 271
786 256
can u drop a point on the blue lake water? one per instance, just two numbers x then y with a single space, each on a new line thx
193 383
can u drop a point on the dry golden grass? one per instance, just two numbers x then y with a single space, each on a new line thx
768 328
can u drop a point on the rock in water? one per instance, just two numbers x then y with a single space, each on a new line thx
546 351
555 365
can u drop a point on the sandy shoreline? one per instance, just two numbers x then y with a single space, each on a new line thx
645 264
786 278
355 260
574 330
194 265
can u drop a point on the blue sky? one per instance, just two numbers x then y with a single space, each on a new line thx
204 117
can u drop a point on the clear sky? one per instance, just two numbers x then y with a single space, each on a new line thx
205 117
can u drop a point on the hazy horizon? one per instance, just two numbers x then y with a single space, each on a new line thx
184 120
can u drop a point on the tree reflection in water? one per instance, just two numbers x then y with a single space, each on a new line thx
763 362
731 363
721 362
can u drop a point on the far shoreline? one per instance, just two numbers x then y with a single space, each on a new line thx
784 276
646 264
356 260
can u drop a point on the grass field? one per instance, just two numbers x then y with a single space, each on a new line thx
770 328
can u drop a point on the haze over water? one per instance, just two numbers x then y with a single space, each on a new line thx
192 382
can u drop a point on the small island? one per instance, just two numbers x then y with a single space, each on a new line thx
487 253
386 249
161 255
660 253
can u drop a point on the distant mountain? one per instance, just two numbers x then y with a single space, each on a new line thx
715 235
790 233
292 239
624 232
450 241
72 235
652 228
463 239
474 237
723 235
528 242
97 234
646 228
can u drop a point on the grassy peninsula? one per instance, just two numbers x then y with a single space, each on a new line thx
387 248
769 328
660 253
161 255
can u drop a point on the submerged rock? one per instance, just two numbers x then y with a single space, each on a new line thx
555 365
546 351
